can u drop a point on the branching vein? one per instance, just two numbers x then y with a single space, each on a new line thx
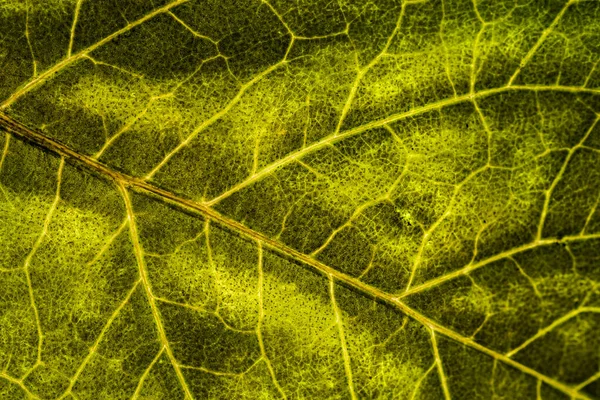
502 255
74 27
340 325
214 118
37 80
19 382
34 249
540 41
261 316
440 367
139 254
420 381
134 183
570 315
333 138
363 71
144 376
5 149
563 168
28 37
92 350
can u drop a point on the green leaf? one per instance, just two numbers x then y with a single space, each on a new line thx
301 199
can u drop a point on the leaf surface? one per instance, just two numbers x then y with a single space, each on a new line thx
300 199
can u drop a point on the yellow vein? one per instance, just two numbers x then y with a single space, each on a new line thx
5 149
552 326
328 140
140 384
445 49
563 168
363 71
255 156
475 50
371 263
505 254
215 117
279 17
353 282
108 65
307 122
540 41
425 240
440 367
219 373
477 13
108 243
591 379
261 316
92 350
487 130
358 211
205 311
49 73
333 235
391 336
540 114
34 249
497 356
33 61
526 276
332 138
493 378
73 27
139 255
189 28
209 256
589 76
124 180
340 325
429 232
19 383
420 381
126 127
590 214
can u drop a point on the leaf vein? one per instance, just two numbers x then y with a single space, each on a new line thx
28 259
127 181
440 367
340 325
139 255
333 138
92 350
50 72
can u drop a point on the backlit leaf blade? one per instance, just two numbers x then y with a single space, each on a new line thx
300 199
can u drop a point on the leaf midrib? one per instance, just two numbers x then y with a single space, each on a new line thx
123 180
